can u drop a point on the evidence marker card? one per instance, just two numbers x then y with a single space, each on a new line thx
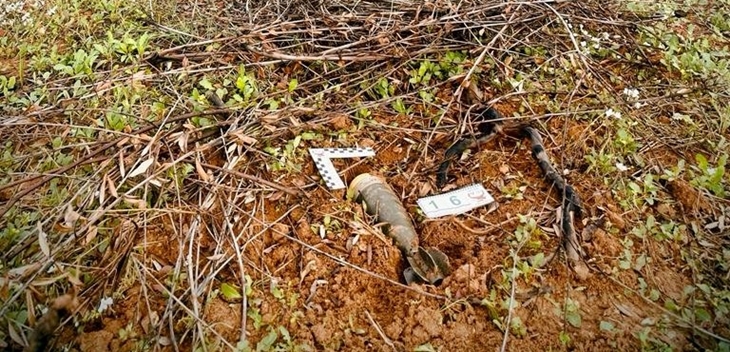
322 159
458 201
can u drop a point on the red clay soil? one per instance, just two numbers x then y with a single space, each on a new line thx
329 306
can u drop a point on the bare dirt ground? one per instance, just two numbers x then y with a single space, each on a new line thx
227 239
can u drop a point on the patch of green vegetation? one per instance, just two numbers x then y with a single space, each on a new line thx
528 234
425 72
572 313
382 89
601 163
328 226
690 54
290 157
247 87
363 115
709 177
278 337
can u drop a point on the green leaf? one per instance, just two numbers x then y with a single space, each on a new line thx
57 142
221 92
230 292
277 292
573 318
650 222
255 315
308 136
267 342
249 286
538 260
640 262
400 107
285 334
606 326
425 95
670 305
246 85
426 347
701 161
272 103
293 83
202 121
723 347
242 346
702 315
273 151
720 169
564 338
205 83
363 113
654 295
327 220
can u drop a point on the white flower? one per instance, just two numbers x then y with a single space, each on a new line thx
631 93
105 303
26 19
612 113
583 44
621 167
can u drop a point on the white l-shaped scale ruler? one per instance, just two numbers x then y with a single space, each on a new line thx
327 170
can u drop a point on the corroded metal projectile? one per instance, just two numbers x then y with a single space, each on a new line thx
427 264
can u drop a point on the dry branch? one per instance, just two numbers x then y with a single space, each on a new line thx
84 160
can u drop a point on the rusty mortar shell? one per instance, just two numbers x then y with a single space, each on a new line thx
381 201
